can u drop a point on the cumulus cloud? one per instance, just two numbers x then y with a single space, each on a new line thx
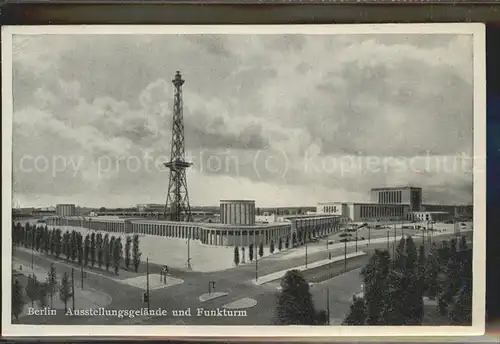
284 120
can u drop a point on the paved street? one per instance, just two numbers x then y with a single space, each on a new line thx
236 282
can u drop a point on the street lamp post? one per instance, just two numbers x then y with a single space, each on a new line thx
345 255
256 266
189 255
147 280
33 249
73 286
328 305
356 240
306 246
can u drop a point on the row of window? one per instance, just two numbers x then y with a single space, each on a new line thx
390 197
369 211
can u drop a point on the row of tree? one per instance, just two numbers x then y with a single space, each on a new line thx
94 249
297 240
394 289
41 292
272 248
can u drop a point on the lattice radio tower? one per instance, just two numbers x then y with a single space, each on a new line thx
177 206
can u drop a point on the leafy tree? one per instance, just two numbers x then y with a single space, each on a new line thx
460 312
450 281
294 304
287 242
30 235
411 254
432 272
93 249
117 254
399 260
136 254
250 252
271 247
42 295
46 239
99 249
41 238
128 244
66 247
444 253
236 257
58 243
38 238
86 250
73 245
321 318
460 309
463 244
51 283
422 261
107 251
16 233
280 244
375 279
357 312
261 249
79 244
412 292
32 290
395 313
52 240
65 292
18 301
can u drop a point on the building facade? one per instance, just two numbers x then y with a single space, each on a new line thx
411 196
207 233
365 212
65 210
432 216
237 212
394 204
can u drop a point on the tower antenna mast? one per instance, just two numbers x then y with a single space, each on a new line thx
177 206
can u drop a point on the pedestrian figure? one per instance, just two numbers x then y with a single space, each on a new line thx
165 272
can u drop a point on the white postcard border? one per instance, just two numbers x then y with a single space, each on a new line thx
479 236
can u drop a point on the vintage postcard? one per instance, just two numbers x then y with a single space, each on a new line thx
314 181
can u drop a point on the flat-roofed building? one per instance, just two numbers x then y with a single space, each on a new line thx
65 210
216 234
237 212
412 196
433 216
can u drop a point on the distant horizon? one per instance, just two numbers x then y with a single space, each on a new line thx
217 206
279 119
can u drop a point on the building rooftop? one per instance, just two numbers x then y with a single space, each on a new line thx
237 200
291 217
395 188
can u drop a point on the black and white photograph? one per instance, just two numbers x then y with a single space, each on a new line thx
320 180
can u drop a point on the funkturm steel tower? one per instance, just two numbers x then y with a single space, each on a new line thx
177 206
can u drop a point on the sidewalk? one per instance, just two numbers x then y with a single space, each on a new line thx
315 247
138 281
84 298
279 274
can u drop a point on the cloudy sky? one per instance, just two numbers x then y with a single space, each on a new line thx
284 120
